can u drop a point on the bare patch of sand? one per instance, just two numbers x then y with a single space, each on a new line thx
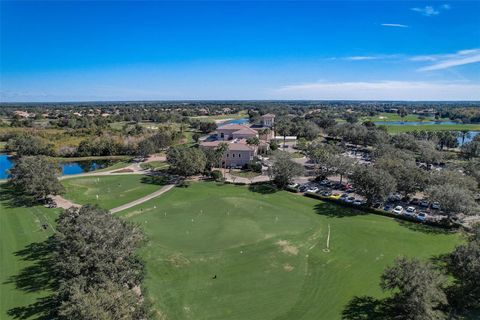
287 247
287 267
177 260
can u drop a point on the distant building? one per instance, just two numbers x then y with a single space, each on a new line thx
23 114
268 120
239 153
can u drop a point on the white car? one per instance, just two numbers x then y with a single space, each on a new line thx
312 189
410 211
293 185
398 210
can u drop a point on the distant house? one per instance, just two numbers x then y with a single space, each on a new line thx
23 114
239 153
235 131
268 120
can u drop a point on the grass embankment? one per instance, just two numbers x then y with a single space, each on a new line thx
266 251
154 165
112 191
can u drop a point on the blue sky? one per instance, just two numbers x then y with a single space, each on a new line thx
155 50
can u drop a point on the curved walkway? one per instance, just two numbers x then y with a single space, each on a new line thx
66 204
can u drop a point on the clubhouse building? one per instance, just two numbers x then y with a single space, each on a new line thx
240 152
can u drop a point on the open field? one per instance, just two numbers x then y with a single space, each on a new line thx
113 191
433 127
266 251
238 115
20 277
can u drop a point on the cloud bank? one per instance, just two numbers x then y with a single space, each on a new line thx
381 90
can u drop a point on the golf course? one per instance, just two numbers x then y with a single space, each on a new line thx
218 251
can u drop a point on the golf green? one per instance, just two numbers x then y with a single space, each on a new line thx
228 252
112 191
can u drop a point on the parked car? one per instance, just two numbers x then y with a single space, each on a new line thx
436 205
293 185
344 196
349 190
398 210
395 197
410 211
335 196
303 188
357 202
312 189
425 203
326 193
421 216
415 201
387 207
350 199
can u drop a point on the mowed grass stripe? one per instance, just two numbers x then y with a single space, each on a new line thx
205 230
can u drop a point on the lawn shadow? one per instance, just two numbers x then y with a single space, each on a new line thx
367 308
36 278
264 188
336 211
13 199
157 180
425 228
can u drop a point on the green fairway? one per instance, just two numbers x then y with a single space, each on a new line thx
20 276
385 116
112 191
266 251
432 127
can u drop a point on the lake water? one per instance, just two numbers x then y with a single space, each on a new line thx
413 123
6 163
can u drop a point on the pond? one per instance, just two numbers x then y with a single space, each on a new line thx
76 167
413 123
469 137
237 121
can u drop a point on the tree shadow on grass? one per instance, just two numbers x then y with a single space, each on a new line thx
37 277
425 228
336 211
157 180
264 188
367 308
13 199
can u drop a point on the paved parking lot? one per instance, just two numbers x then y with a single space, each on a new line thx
415 208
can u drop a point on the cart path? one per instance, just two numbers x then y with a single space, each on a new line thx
66 204
150 196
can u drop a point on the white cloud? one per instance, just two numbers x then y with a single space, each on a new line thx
427 11
360 58
381 90
445 61
445 7
394 25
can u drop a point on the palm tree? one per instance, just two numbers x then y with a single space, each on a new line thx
220 150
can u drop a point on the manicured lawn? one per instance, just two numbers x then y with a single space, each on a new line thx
396 117
155 165
21 279
112 191
238 115
266 251
433 127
